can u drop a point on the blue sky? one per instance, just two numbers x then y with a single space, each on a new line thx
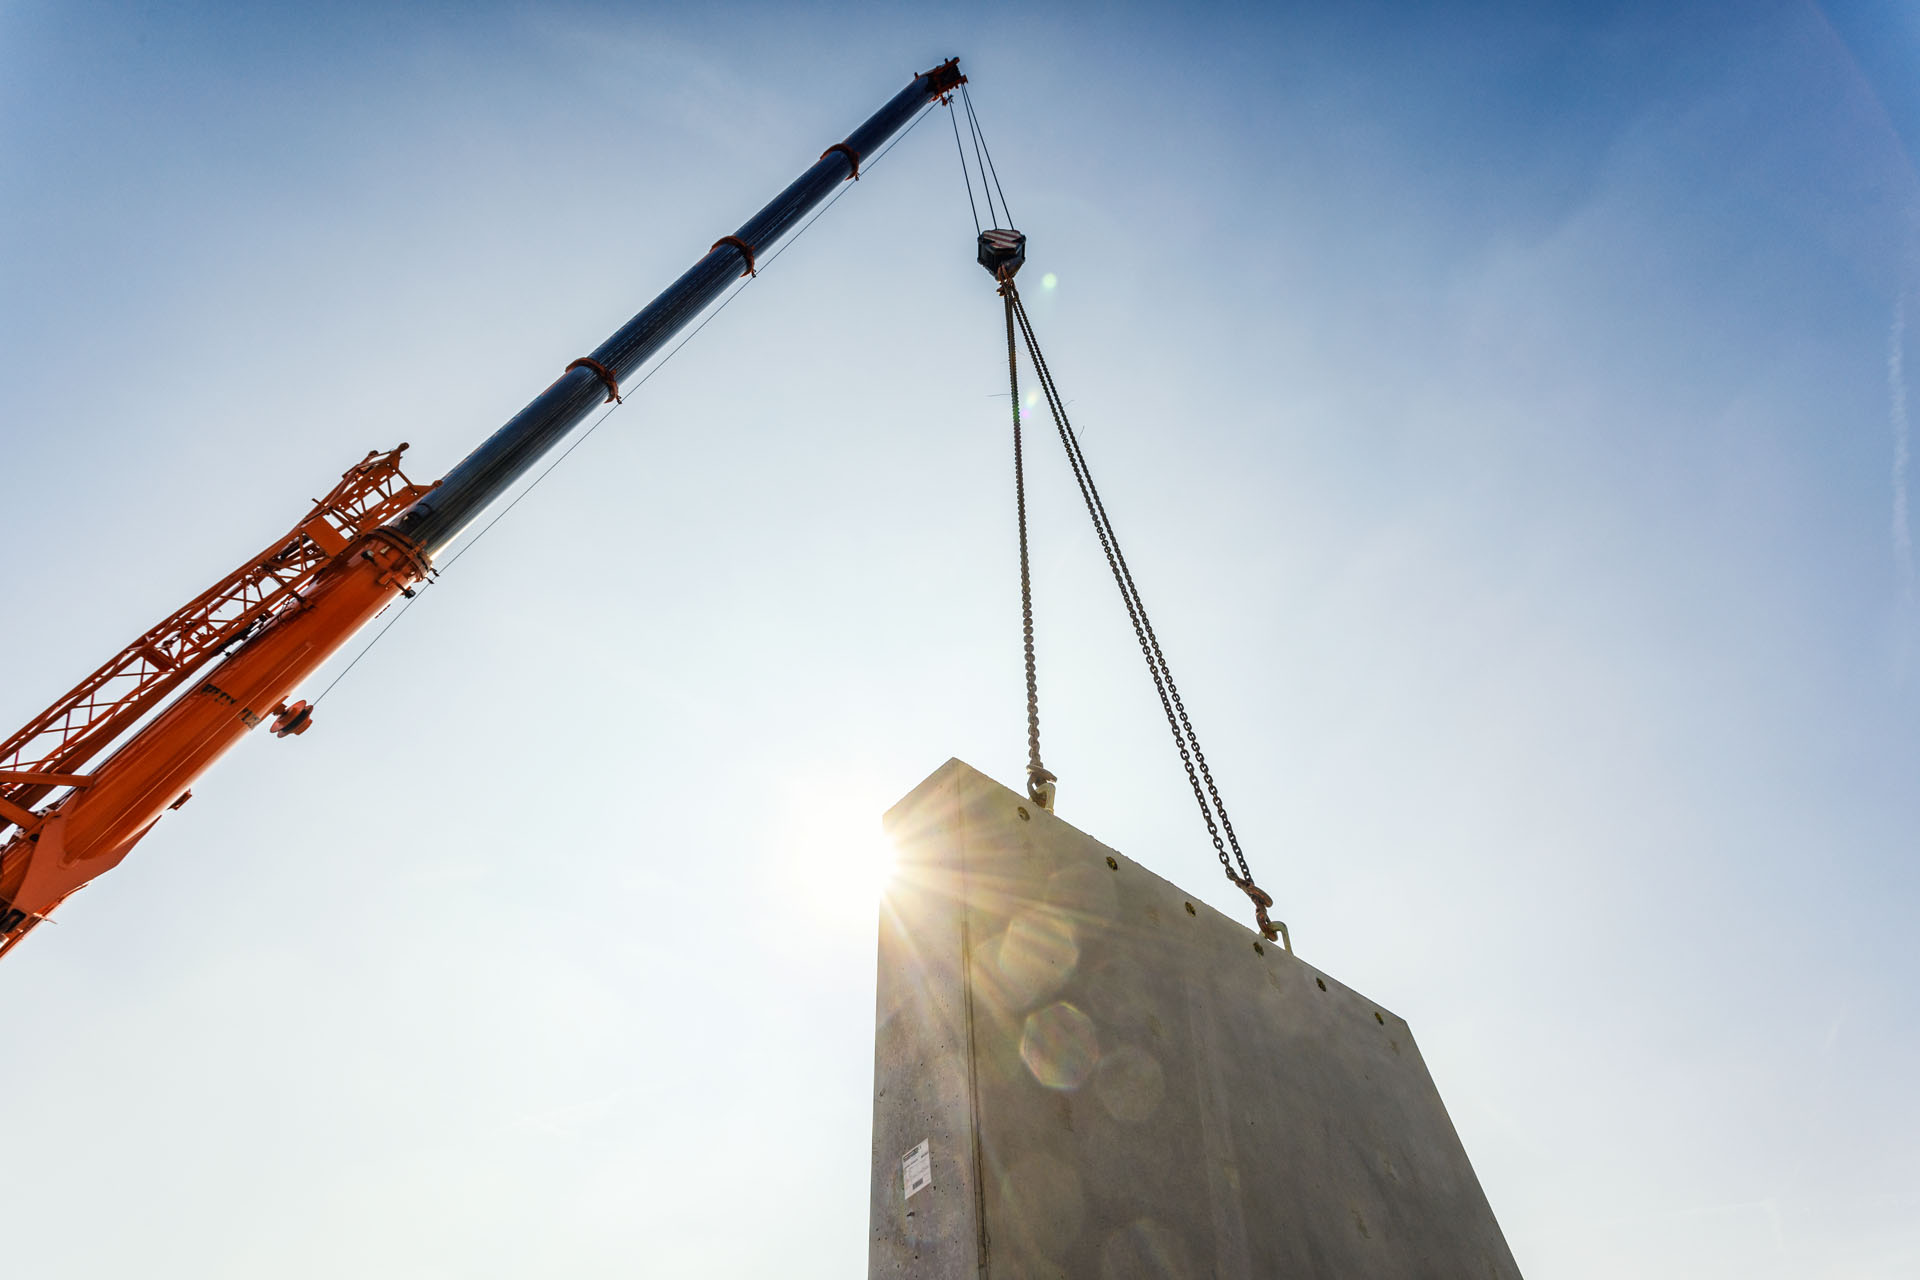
1500 407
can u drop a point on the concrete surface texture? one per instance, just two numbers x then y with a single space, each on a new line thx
1081 1072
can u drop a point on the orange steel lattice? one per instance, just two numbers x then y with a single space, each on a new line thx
48 753
276 619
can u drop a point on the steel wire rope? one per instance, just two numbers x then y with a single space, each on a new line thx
954 117
974 131
981 135
658 365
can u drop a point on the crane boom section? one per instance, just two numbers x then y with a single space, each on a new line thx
518 446
283 616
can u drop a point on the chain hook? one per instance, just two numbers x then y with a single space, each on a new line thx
1271 930
1040 787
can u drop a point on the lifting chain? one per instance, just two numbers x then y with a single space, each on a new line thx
1003 251
1206 794
1040 782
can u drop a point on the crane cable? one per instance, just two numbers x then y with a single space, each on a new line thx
980 137
953 118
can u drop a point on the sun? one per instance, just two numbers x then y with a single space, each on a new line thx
833 856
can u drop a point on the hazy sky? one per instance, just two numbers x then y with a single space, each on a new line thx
1505 413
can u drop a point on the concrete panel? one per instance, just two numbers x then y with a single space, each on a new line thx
1112 1080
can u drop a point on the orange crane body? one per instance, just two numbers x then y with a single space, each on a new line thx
332 578
91 832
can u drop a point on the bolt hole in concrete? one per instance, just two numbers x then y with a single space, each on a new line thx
1320 983
1191 911
1112 865
1377 1018
1259 950
1024 815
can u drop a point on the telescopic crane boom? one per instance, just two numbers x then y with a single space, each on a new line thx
283 614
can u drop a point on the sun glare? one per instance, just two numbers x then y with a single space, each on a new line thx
832 853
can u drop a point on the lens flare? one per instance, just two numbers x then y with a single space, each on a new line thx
1129 1084
1059 1046
1036 957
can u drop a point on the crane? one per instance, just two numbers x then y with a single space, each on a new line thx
87 779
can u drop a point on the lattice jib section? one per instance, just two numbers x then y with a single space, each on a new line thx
117 696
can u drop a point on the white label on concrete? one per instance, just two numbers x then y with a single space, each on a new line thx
917 1168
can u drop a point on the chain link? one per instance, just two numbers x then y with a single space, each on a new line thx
1040 788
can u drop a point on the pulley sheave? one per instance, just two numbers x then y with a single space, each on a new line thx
1003 251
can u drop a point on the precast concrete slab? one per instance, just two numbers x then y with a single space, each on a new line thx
1081 1071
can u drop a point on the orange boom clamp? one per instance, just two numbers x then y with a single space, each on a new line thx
613 383
853 157
943 79
746 251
